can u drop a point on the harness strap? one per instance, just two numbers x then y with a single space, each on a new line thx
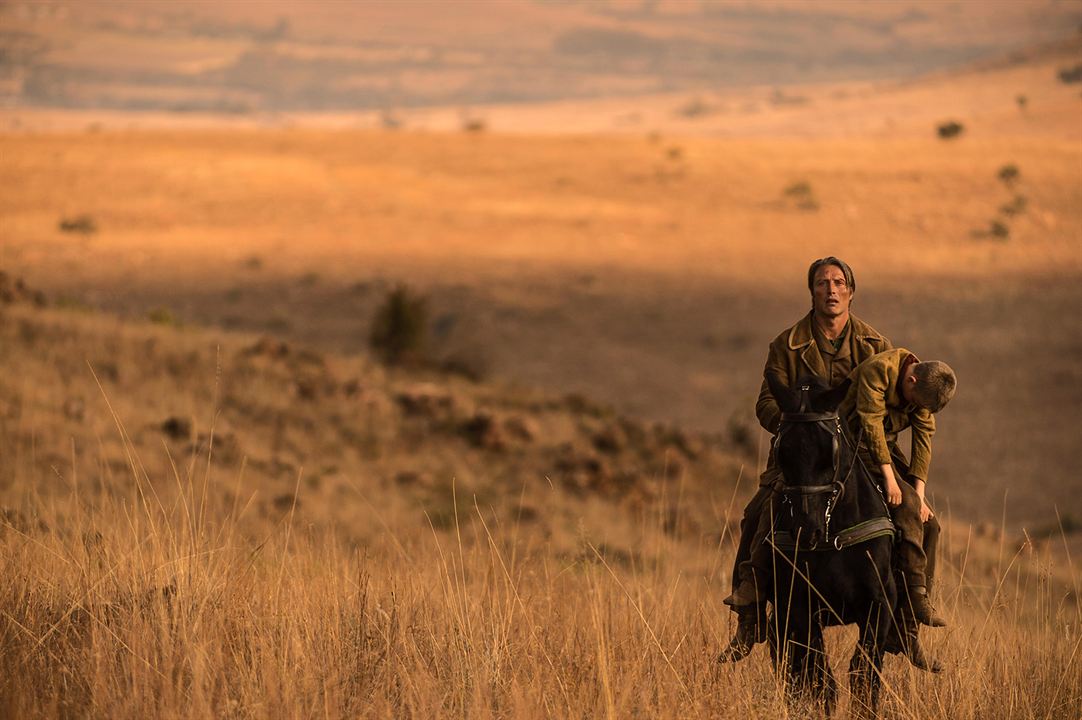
783 540
863 532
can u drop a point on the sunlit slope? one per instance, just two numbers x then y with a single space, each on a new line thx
649 270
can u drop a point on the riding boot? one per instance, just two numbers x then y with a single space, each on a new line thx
922 607
751 628
904 639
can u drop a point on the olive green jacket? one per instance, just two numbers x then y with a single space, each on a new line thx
795 353
875 406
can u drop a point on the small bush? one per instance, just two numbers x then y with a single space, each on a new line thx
696 107
1017 206
1071 75
474 125
798 189
83 224
802 195
950 130
162 316
400 328
999 229
1021 101
1009 174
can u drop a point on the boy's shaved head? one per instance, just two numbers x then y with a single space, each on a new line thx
935 386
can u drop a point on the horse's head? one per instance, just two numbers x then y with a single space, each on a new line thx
808 452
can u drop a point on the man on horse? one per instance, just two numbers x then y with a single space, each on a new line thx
829 343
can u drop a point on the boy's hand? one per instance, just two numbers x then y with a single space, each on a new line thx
894 493
890 486
926 513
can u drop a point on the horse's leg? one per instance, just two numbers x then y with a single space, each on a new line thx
867 662
797 653
808 659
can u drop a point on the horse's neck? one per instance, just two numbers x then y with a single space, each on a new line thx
860 501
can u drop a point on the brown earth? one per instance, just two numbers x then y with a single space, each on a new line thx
648 272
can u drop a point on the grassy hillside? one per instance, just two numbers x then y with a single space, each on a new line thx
204 524
649 272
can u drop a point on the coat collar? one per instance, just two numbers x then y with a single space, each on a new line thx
801 338
801 335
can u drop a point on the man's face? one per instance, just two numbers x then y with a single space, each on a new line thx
831 295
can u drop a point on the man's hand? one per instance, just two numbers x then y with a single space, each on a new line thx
890 486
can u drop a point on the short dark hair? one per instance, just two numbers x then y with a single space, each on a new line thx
840 264
936 383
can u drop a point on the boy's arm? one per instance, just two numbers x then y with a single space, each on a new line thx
922 424
872 382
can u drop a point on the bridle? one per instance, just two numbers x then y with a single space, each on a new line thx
831 423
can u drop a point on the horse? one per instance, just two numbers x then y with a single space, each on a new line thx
832 544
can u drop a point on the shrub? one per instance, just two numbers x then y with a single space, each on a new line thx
474 125
162 316
999 229
798 189
1009 174
1017 206
802 195
1021 101
950 130
696 107
1071 75
83 224
400 328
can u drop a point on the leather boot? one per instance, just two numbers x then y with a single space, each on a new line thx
919 658
903 639
750 629
922 608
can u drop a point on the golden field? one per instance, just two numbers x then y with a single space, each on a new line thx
355 551
216 503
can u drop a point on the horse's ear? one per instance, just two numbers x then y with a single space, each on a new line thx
832 398
785 397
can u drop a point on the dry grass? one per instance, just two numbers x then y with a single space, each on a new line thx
154 604
143 581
